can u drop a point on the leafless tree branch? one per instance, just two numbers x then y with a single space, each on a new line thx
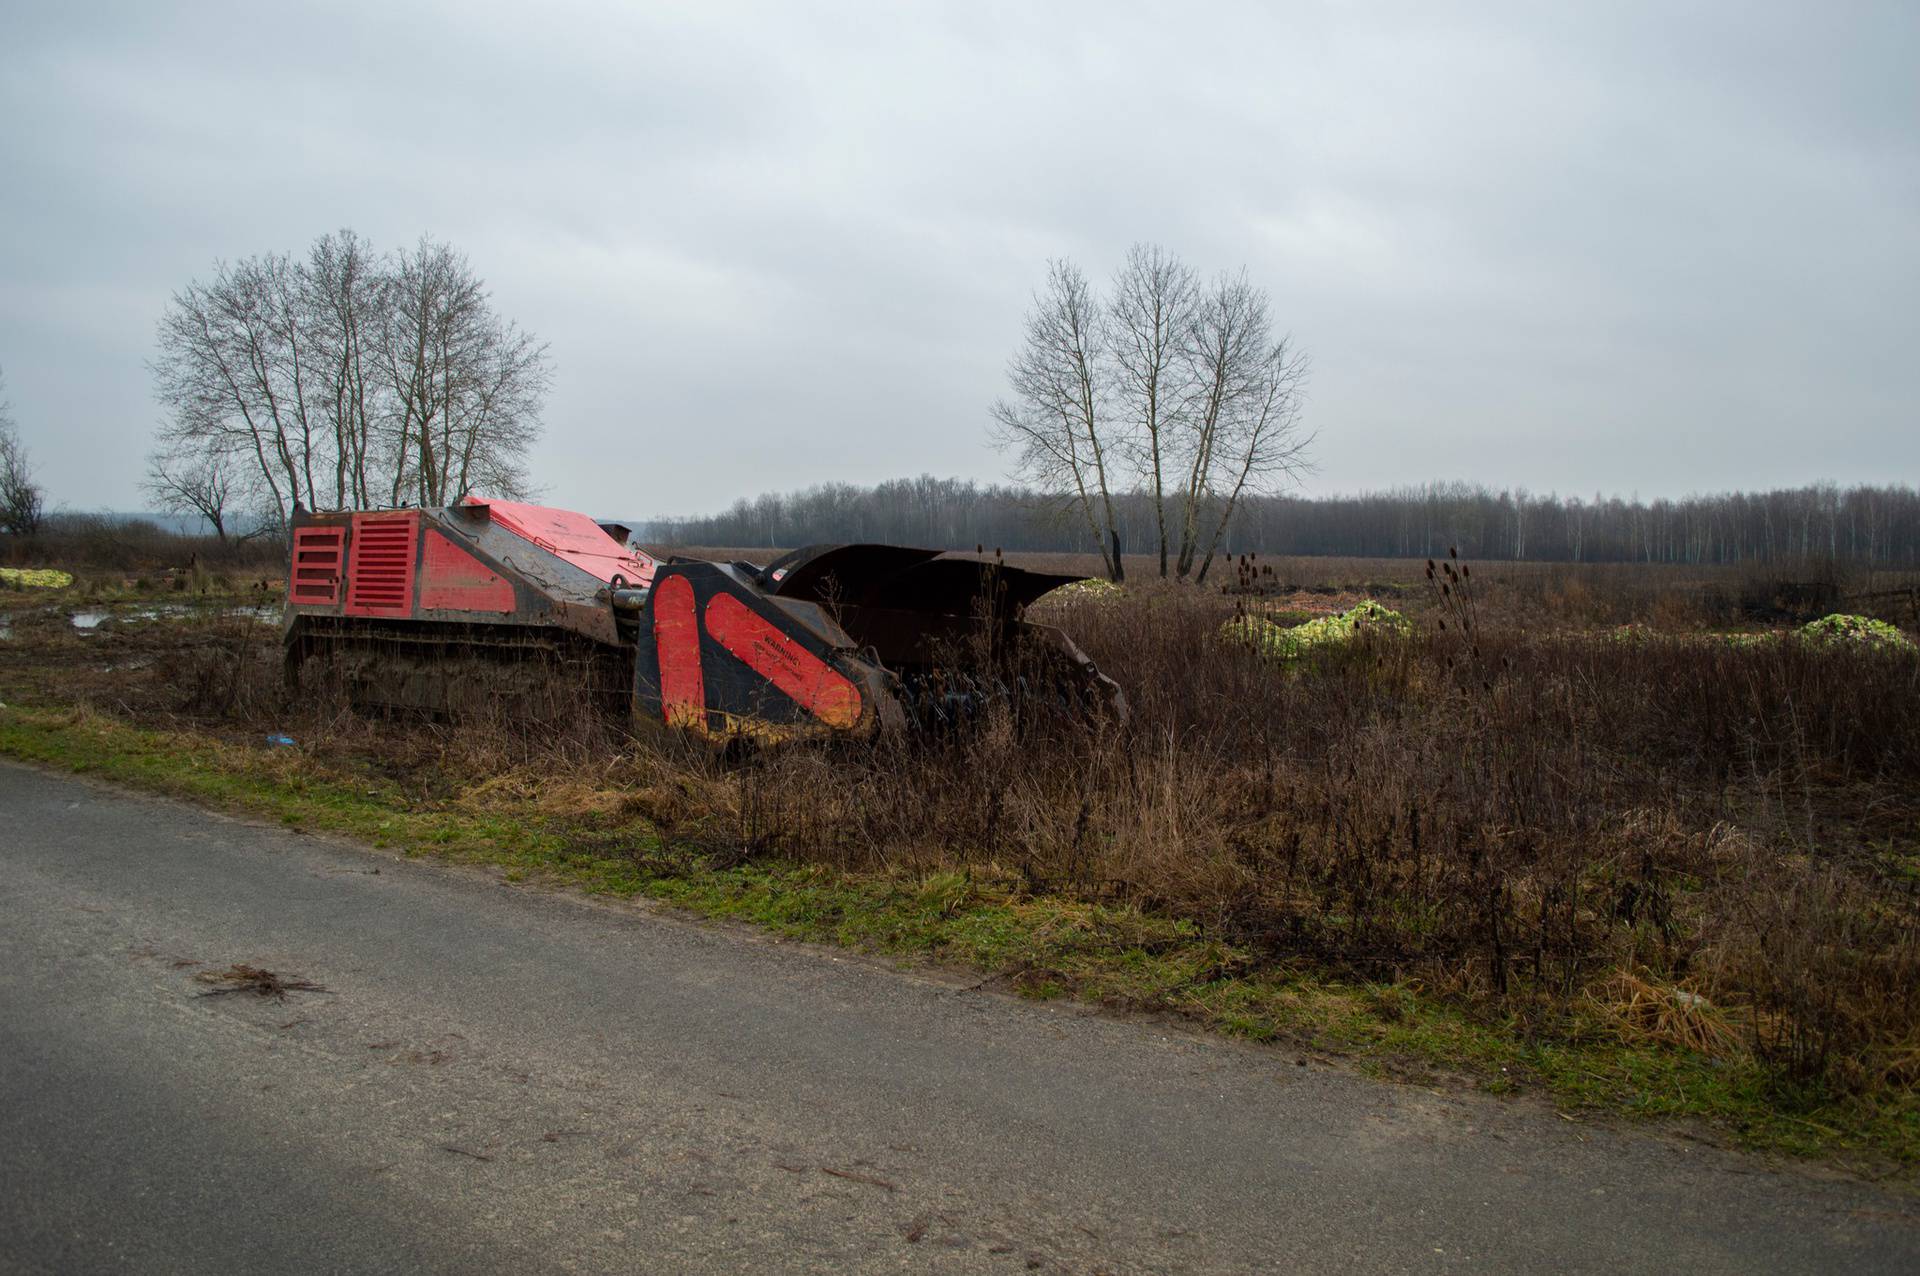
199 483
22 503
1056 422
1151 315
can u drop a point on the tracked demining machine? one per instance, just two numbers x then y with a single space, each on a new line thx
504 606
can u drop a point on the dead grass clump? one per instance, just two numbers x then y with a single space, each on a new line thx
1645 1010
573 793
1516 819
1831 964
240 977
221 668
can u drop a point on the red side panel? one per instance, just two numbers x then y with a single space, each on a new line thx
676 635
380 564
806 679
451 579
314 580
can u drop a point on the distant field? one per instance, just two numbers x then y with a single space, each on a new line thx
1530 592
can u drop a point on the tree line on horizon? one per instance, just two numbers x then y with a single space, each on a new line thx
1876 525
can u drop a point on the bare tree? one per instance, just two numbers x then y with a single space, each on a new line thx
21 500
495 419
466 385
1180 392
1056 422
230 371
1242 434
348 378
1150 319
200 483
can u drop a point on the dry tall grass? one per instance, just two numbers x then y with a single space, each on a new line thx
1519 819
1717 843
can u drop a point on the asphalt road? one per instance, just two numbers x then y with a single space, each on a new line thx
504 1079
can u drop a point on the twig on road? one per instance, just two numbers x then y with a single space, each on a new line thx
858 1178
241 977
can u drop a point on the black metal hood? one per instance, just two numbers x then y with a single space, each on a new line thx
901 578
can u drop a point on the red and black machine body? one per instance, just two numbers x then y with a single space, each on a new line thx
447 609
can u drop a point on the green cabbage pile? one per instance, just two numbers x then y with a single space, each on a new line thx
1292 642
1837 628
1093 589
34 578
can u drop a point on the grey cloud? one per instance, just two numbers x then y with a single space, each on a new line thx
1643 247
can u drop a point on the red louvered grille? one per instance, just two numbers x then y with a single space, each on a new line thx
380 565
315 577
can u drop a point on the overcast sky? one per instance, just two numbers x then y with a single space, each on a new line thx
1658 248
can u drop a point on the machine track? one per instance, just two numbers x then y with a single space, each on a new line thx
460 671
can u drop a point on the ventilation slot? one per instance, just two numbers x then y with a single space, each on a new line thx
380 568
315 580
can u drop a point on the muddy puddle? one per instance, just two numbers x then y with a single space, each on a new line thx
90 619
